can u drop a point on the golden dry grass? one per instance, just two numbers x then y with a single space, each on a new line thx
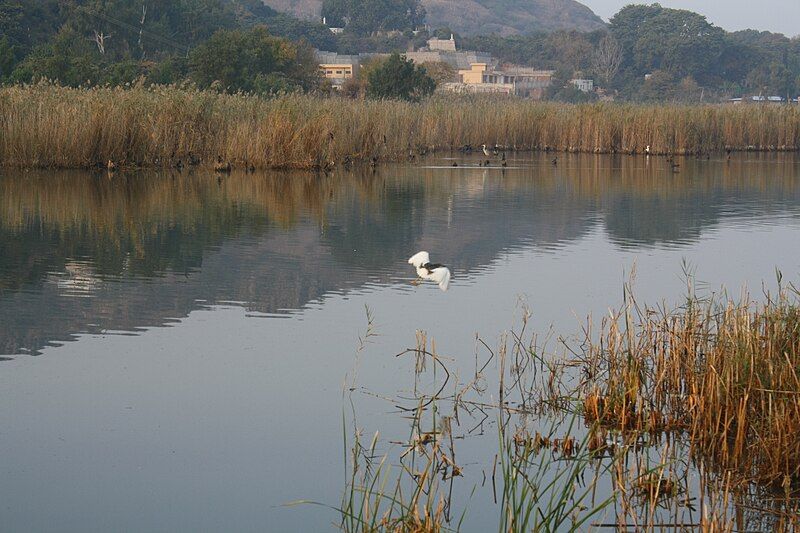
49 126
725 374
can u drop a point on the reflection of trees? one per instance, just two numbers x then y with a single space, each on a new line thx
148 247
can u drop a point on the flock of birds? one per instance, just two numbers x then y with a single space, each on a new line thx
221 166
440 274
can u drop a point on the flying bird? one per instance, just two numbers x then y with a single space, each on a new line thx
435 272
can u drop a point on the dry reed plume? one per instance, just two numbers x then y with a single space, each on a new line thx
49 126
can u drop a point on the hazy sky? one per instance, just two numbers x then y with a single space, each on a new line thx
772 15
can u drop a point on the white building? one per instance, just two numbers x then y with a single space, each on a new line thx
583 85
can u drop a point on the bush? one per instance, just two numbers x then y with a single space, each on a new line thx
398 78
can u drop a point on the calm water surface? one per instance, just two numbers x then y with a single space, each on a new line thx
174 347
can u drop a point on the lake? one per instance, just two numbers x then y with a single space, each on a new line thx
178 349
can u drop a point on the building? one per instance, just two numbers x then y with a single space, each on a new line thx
479 78
530 82
338 68
444 45
512 80
335 31
758 100
445 51
583 85
478 72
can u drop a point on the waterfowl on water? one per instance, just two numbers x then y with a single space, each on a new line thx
222 166
426 270
554 161
647 150
111 166
486 151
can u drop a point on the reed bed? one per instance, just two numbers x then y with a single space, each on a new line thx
56 127
691 415
723 374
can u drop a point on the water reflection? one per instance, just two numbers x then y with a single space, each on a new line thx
84 253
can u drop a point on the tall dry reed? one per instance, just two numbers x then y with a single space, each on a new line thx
49 126
725 374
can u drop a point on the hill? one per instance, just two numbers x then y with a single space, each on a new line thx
510 17
472 17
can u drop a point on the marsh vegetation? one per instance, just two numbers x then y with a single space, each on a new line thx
49 126
681 419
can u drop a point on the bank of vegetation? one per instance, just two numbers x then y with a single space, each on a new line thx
49 126
647 53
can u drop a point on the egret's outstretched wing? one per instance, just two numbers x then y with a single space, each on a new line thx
441 276
419 259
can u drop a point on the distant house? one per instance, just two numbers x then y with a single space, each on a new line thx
444 45
478 72
511 80
335 31
338 68
583 85
758 100
445 51
530 82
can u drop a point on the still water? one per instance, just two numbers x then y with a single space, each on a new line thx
175 347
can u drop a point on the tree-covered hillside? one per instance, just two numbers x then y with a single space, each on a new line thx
481 17
117 41
653 53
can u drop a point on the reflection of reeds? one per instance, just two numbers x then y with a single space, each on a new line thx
146 201
48 126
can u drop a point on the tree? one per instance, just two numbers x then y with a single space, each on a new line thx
7 59
252 60
674 40
398 77
69 59
367 16
607 58
441 72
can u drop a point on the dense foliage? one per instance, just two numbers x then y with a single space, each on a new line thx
117 41
681 54
647 52
399 78
367 16
253 61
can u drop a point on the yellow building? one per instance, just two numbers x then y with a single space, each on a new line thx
514 80
338 72
480 79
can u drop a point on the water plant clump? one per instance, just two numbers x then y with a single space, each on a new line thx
48 126
678 419
722 373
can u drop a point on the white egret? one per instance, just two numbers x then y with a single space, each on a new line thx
486 151
435 272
